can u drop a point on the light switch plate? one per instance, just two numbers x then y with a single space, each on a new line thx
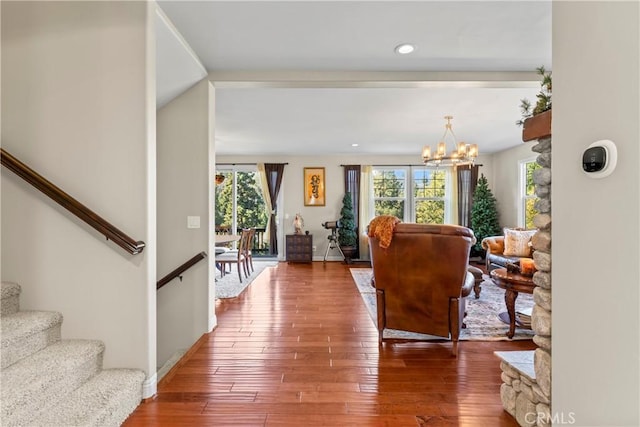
193 222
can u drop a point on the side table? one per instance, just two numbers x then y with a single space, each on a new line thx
512 283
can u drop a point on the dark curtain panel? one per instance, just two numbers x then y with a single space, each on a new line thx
274 172
352 185
467 182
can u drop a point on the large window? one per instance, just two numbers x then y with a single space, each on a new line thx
412 193
527 193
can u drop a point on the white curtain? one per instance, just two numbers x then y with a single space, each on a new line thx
451 198
451 182
264 187
367 208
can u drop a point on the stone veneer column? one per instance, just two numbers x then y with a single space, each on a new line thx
541 315
526 375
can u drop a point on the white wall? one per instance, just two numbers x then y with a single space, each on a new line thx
504 183
78 100
596 276
314 216
183 190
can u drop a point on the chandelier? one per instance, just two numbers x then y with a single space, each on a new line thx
461 154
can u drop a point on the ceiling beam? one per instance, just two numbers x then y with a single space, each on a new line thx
372 79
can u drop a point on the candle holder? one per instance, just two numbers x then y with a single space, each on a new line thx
527 267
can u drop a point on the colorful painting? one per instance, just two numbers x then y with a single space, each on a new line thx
314 187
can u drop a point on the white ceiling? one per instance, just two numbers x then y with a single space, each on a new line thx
354 41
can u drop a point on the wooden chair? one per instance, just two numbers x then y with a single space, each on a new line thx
248 251
249 247
237 257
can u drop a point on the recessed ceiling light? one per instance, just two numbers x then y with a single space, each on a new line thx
404 48
354 145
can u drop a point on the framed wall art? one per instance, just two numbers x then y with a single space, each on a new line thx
314 194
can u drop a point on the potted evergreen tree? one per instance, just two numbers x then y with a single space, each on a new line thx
347 237
536 120
484 215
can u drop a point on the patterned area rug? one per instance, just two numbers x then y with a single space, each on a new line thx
482 319
230 287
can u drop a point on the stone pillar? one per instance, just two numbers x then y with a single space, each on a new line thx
541 241
526 375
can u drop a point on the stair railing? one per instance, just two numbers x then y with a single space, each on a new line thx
72 205
178 271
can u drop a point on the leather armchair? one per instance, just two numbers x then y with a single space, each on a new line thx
421 279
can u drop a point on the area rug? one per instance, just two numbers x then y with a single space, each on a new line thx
230 287
482 319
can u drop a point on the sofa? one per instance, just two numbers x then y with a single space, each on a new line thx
510 247
421 278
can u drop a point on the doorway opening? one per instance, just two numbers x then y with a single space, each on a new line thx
240 204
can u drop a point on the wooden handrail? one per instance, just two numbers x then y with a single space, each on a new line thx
178 271
71 204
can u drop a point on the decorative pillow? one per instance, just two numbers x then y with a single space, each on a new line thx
495 246
516 242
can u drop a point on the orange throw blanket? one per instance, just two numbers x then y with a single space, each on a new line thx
381 227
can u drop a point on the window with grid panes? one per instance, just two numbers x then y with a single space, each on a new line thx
411 193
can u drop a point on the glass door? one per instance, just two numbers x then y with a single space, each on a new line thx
240 204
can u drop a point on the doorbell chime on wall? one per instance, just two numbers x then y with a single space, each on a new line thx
599 159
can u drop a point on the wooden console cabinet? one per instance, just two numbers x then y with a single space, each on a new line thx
299 247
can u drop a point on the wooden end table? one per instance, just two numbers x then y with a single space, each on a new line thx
512 283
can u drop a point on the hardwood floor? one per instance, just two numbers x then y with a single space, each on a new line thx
298 348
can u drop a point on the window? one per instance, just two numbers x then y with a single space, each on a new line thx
412 193
429 196
389 192
527 193
239 204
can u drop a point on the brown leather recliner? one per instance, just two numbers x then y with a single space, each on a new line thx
421 279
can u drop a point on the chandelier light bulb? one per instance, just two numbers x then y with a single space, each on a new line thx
461 153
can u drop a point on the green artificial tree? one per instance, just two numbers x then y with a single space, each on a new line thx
347 238
543 102
484 215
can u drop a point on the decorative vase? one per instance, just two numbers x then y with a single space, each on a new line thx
349 253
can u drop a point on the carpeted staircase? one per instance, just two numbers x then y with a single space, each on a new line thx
47 381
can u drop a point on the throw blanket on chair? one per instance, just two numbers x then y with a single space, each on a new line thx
381 227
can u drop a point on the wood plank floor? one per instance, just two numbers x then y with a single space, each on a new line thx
298 348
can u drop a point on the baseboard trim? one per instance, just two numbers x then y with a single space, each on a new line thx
150 386
213 322
331 258
166 367
169 375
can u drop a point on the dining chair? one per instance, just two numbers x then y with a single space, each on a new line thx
249 248
246 248
237 257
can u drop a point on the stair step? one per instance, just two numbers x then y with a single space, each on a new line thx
105 400
37 383
27 332
10 294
